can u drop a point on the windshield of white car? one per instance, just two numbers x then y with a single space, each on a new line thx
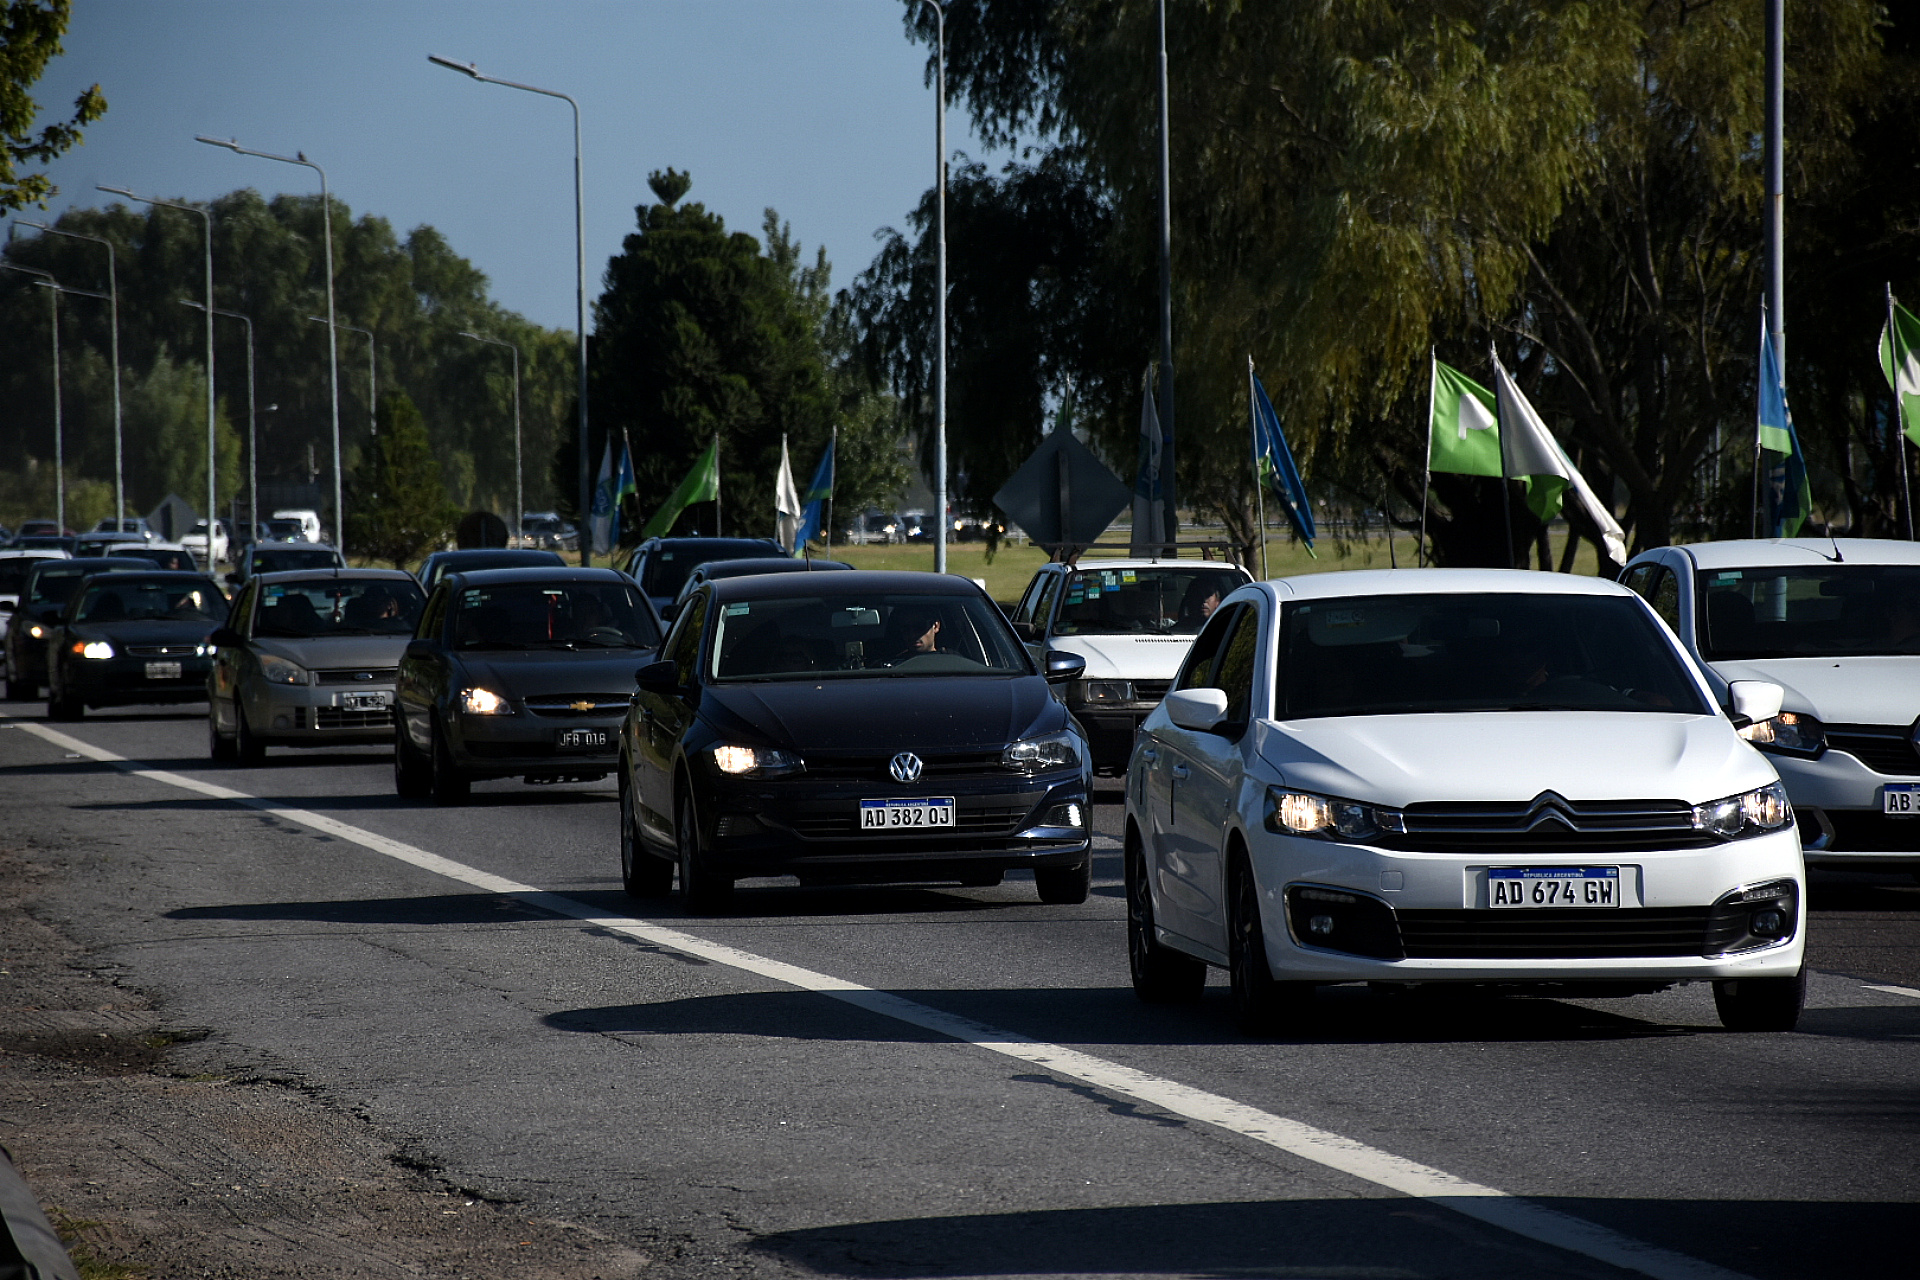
1175 600
1394 655
159 600
1822 611
864 633
561 615
339 607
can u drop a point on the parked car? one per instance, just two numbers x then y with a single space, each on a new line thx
284 557
714 570
441 563
308 660
661 565
129 637
49 585
1133 621
1836 623
126 527
518 673
862 725
1464 777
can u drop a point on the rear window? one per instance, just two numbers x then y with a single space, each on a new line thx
286 560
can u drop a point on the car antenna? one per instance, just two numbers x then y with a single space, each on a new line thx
1835 544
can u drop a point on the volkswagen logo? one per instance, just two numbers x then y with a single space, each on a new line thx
905 767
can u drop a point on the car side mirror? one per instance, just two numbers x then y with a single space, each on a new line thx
1200 710
658 677
1063 667
226 638
233 579
669 611
1753 701
421 648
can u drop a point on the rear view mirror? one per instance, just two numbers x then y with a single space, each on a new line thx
1197 709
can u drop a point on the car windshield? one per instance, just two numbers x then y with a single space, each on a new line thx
1829 610
287 559
133 600
1391 655
560 615
1174 600
339 607
863 633
56 586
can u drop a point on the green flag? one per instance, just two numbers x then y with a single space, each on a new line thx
1463 435
701 485
1900 361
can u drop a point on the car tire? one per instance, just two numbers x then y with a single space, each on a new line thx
1760 1004
219 746
1161 975
1064 886
1261 1003
412 779
641 874
446 784
702 889
247 748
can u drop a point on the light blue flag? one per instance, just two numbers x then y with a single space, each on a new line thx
1789 494
1274 463
624 487
819 493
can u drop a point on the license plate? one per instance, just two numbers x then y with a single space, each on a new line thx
1901 799
366 701
585 739
1545 887
163 671
894 815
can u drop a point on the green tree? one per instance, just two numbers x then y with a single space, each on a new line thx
399 507
30 32
166 413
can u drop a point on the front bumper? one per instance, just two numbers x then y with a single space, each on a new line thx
528 745
1837 799
1433 924
123 681
319 715
1110 729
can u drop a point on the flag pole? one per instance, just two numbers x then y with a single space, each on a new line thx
1426 482
833 482
1506 486
1259 498
1758 457
1899 417
716 485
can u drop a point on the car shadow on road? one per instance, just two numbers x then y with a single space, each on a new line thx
1375 1237
435 909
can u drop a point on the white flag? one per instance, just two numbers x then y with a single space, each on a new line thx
1529 452
786 503
600 516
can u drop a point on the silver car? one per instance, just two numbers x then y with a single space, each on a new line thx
308 659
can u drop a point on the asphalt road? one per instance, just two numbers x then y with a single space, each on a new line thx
950 1082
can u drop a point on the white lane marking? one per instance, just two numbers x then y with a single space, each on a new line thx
1356 1159
1893 991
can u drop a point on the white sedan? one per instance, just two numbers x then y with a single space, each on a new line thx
1457 776
1836 623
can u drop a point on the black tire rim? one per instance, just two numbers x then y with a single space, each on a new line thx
626 827
1139 915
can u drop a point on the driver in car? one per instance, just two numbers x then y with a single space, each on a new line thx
911 631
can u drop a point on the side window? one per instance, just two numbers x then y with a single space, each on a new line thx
242 612
1236 670
1023 612
436 614
1198 671
1639 579
683 645
1043 607
1666 599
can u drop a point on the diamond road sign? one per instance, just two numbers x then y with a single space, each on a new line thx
1063 494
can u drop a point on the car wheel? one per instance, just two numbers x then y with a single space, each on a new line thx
247 748
411 779
702 889
219 746
1760 1004
641 874
1064 886
1161 975
1260 1003
446 783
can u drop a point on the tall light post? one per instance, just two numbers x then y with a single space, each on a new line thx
59 428
519 494
940 286
253 421
213 442
580 263
113 302
333 339
373 390
1169 481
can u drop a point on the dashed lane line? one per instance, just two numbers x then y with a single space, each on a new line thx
1893 991
1356 1159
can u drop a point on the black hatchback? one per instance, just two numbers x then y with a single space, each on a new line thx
129 638
852 726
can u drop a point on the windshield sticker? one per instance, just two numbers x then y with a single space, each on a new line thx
735 610
1346 618
1731 575
470 597
1128 575
274 593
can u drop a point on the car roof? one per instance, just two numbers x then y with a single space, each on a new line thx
1168 563
295 544
537 574
762 586
329 575
707 544
93 564
764 564
1788 553
1395 582
528 555
153 575
33 553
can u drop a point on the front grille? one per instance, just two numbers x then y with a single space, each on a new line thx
340 718
1576 934
1883 748
872 767
1150 690
985 820
1864 831
564 705
162 650
356 675
1547 824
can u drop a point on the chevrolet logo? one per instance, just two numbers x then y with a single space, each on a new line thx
581 706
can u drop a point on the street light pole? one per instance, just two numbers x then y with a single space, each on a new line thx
113 302
253 424
519 493
580 264
213 456
1169 480
940 288
59 429
333 339
373 391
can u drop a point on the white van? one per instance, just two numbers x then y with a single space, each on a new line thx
309 521
1133 621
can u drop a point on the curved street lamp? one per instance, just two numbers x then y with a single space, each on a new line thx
113 302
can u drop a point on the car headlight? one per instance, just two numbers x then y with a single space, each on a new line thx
1038 755
483 702
1301 813
1789 733
1752 813
1097 692
96 649
37 631
755 762
280 671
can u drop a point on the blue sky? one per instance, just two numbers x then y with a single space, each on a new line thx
815 107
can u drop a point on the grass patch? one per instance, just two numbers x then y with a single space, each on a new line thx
72 1232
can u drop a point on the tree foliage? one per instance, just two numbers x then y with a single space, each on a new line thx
399 509
30 32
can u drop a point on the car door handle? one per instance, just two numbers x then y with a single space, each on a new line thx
1181 772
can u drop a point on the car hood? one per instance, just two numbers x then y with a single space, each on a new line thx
336 651
534 673
1864 690
885 713
1127 657
1581 755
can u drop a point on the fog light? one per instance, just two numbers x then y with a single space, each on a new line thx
1320 925
1770 923
1064 815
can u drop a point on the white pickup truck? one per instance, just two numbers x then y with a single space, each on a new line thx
1133 621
